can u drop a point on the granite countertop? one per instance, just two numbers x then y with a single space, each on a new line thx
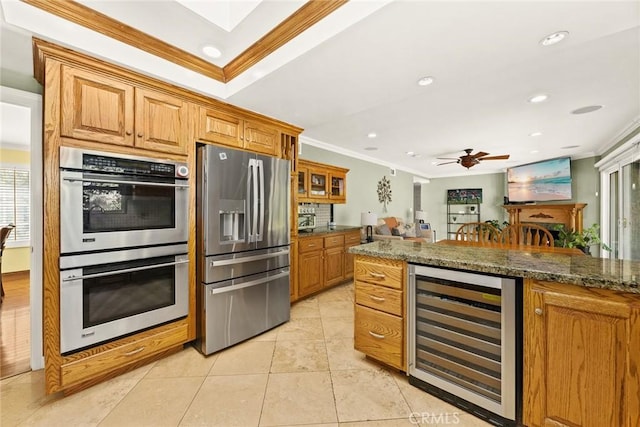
614 274
324 230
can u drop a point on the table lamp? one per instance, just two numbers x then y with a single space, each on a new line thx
369 220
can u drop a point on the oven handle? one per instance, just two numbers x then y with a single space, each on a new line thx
126 270
115 181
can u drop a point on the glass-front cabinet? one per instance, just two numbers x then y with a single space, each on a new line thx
338 190
321 183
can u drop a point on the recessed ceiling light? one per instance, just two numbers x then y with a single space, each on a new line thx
568 147
533 151
371 148
372 134
410 153
587 109
211 52
554 38
535 134
425 81
538 98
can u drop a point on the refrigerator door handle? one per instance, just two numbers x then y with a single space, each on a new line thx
260 231
283 273
252 181
219 263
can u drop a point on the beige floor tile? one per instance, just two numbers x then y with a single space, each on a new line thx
305 308
337 327
467 420
301 329
85 408
298 398
420 401
342 356
300 356
250 357
228 401
398 422
138 373
154 402
363 395
338 293
270 335
336 309
187 363
21 396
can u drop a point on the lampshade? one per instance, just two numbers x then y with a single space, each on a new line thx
421 215
368 218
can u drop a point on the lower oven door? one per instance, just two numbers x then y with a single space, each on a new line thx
106 301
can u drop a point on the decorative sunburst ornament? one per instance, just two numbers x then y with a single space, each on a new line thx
384 192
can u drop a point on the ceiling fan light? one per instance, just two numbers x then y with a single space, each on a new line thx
425 81
211 51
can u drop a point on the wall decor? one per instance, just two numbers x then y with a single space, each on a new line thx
384 192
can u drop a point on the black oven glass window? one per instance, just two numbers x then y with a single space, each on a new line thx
124 207
122 295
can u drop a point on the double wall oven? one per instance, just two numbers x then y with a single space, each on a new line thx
123 242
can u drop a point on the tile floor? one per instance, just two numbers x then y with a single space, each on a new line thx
304 372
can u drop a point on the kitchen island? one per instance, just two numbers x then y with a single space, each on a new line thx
581 331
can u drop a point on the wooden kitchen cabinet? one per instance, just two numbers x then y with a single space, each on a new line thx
321 183
351 238
333 259
581 356
234 131
102 109
380 310
310 265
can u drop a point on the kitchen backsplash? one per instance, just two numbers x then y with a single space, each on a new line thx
322 211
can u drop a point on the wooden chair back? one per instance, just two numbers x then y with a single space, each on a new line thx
481 232
526 234
4 235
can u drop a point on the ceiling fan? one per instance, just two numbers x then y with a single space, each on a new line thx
469 160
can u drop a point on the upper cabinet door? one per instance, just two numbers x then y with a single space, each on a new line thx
261 139
96 108
161 122
338 190
222 128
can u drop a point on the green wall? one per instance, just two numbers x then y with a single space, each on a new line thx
362 185
15 80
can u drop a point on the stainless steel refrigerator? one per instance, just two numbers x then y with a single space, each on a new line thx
243 245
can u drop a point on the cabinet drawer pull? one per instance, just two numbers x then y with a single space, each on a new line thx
312 245
136 351
375 298
377 275
379 336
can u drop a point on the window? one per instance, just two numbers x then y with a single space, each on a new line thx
14 202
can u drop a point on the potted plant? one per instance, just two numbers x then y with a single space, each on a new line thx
497 224
589 236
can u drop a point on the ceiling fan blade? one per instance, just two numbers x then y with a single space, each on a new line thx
446 163
479 154
447 158
502 157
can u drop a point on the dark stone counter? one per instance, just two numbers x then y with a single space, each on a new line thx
325 231
620 275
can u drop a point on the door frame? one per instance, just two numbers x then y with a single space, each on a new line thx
33 101
627 153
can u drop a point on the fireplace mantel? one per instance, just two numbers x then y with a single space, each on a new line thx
569 214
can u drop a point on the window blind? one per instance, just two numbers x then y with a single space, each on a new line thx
14 201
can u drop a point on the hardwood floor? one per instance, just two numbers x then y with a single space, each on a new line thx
15 328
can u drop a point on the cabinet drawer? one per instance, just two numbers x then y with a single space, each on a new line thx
332 241
352 238
309 244
91 366
381 274
379 298
379 335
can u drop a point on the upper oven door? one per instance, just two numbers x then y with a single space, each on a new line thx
109 211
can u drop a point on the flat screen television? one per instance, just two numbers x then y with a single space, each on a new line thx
540 181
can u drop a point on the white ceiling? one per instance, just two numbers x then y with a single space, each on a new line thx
356 71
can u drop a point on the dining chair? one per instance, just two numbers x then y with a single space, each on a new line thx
526 234
481 232
4 235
